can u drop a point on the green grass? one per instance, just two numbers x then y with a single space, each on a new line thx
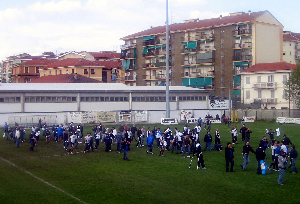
104 177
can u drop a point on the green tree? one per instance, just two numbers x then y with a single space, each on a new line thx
292 86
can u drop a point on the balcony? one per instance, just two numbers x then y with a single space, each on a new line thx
242 58
127 46
266 100
242 45
265 85
130 78
242 31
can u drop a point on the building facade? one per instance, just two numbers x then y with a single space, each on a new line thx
264 84
203 53
291 47
57 98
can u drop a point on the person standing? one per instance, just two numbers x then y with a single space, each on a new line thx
207 140
293 155
158 134
229 157
260 156
17 137
32 140
271 134
199 156
87 142
282 166
149 141
217 137
234 134
107 141
246 150
119 142
97 138
125 148
186 146
247 134
286 142
6 131
243 131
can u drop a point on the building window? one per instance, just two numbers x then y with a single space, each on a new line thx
259 94
55 72
26 70
37 70
284 94
247 80
73 71
44 73
272 94
59 71
284 78
85 71
271 78
67 71
248 94
258 79
92 71
50 73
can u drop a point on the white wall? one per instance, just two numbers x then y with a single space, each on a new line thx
49 107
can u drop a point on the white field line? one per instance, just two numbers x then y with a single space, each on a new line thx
49 184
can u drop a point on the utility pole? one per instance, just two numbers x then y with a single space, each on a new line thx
167 63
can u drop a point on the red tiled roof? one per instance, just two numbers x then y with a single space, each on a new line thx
291 36
271 67
38 62
111 64
233 19
74 62
105 55
297 35
64 78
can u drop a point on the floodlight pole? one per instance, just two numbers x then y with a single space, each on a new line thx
167 63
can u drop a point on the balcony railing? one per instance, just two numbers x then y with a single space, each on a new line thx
130 78
266 100
242 31
265 85
241 58
242 45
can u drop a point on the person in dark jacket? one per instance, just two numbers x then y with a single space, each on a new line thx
286 141
246 150
208 140
125 146
293 155
260 155
247 134
243 131
229 157
133 130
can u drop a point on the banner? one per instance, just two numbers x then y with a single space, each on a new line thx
140 116
288 120
168 121
106 117
219 104
248 119
125 116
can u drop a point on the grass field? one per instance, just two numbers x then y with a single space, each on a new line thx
49 175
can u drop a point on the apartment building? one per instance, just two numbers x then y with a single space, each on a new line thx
208 54
291 47
264 84
16 60
28 70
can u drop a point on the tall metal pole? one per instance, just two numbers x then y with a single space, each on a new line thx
167 63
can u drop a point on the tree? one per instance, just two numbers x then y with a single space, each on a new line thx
292 86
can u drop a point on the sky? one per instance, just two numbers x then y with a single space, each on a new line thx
34 27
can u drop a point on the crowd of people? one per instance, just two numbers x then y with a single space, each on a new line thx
186 142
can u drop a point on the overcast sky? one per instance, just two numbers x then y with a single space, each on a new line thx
31 26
